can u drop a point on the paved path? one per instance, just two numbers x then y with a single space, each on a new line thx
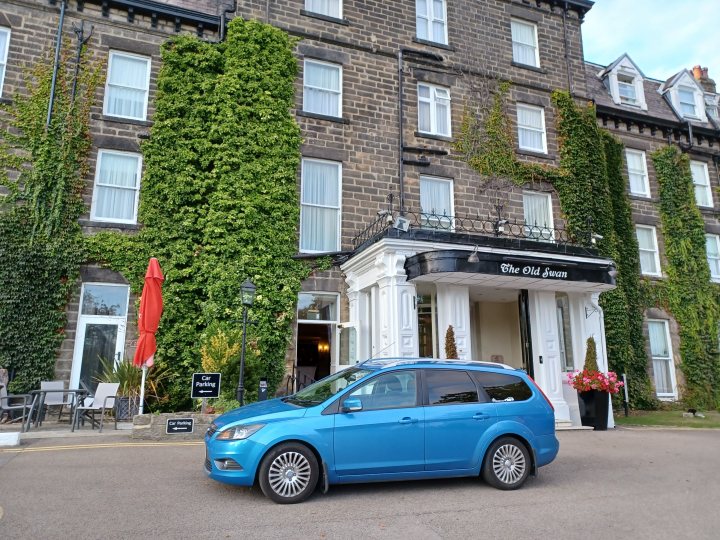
625 483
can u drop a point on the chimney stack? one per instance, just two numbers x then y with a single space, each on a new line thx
701 76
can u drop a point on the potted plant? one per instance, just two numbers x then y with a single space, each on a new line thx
130 379
594 388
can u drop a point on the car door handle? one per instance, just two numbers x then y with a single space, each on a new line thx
408 420
480 416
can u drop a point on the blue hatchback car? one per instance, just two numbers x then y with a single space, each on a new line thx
389 419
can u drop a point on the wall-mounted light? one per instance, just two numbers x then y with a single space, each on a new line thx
595 237
473 258
323 347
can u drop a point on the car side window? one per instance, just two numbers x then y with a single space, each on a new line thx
447 386
502 387
388 391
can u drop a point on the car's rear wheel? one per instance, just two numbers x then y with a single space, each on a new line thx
507 464
289 473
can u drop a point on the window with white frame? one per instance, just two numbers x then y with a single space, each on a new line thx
626 89
330 8
701 183
322 88
320 206
434 110
117 185
524 43
127 86
637 172
649 256
436 202
4 46
662 360
686 99
431 20
531 128
712 248
537 210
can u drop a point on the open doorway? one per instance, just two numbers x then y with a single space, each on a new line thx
317 322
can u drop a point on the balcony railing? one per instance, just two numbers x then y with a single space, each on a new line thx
471 225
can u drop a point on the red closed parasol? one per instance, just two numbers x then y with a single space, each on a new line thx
151 307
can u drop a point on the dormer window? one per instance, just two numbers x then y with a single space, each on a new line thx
624 80
711 106
686 99
626 89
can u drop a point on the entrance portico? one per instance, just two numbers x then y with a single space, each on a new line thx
527 308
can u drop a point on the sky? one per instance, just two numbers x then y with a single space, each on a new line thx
661 36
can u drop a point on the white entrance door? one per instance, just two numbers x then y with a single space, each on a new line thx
100 335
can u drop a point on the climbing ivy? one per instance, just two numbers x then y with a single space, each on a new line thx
687 293
219 201
43 168
591 198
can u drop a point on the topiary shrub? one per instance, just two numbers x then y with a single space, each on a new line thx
450 345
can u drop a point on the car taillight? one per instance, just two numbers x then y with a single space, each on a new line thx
541 391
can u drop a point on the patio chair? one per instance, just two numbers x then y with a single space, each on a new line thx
55 399
103 400
12 404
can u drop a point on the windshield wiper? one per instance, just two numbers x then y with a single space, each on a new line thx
301 401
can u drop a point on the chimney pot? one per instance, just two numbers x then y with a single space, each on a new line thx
697 72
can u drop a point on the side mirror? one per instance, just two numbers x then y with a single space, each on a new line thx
352 405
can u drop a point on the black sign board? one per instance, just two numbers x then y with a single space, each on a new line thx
205 385
176 426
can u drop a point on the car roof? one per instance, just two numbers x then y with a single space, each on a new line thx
382 363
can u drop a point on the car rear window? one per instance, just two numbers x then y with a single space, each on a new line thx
502 387
446 386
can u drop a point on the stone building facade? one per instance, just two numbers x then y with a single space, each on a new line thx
648 114
420 241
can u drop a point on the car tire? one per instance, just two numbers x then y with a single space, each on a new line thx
289 473
507 464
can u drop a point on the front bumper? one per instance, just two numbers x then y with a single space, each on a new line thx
232 462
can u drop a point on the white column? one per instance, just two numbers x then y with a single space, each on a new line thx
546 350
395 308
453 306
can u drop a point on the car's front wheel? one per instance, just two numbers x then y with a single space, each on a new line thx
507 464
289 473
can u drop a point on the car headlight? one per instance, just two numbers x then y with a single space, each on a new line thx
238 432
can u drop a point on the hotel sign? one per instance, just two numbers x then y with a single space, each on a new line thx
532 270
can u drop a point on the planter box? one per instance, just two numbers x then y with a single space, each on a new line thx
153 427
127 407
594 406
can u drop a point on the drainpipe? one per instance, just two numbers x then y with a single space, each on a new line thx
223 18
567 54
58 43
401 143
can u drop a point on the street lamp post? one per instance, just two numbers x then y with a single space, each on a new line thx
248 297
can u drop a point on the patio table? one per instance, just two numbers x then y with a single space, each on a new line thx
38 402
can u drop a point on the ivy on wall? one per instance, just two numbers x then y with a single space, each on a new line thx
592 196
43 168
687 293
218 200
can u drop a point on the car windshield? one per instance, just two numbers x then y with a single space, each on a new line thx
329 386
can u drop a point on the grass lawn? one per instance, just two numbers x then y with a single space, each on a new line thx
668 418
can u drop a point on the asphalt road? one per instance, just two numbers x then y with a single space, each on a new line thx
623 483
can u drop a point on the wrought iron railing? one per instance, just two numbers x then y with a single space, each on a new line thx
473 225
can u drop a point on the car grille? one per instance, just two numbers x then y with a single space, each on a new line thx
211 430
208 465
